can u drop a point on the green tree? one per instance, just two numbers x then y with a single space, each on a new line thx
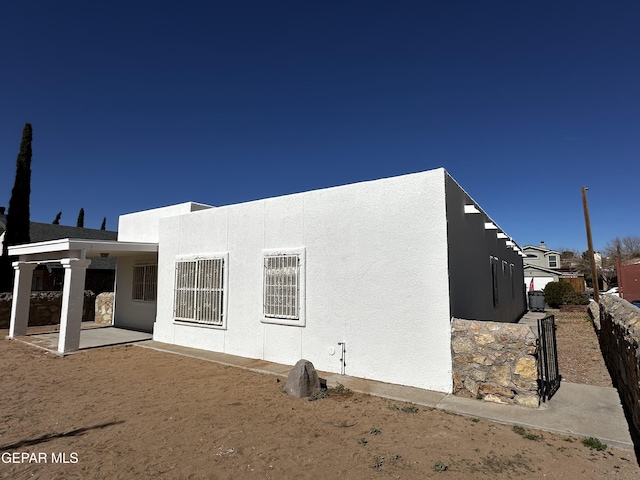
56 221
80 218
18 216
104 224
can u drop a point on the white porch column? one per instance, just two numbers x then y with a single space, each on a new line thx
75 272
21 298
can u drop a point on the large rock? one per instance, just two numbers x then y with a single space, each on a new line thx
303 380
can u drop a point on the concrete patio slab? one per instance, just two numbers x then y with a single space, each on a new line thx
91 336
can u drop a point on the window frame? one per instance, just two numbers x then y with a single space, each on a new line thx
273 318
555 261
145 285
200 295
495 281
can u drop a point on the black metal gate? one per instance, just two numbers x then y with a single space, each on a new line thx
549 381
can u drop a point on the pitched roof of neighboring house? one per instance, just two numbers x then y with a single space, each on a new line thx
528 268
43 232
550 271
540 249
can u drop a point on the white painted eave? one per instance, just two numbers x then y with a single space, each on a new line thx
90 248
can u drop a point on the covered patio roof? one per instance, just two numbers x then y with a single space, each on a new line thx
75 256
55 250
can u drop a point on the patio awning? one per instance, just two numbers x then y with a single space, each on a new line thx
75 256
55 250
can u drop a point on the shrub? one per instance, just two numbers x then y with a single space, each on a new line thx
556 292
594 444
575 298
440 467
340 388
318 395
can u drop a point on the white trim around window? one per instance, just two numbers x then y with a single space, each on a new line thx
284 286
201 290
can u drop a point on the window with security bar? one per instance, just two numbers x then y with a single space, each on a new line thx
282 286
199 291
145 283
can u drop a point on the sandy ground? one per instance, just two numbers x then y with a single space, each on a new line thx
130 412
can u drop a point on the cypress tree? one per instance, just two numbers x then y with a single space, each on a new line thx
80 218
56 221
18 216
104 224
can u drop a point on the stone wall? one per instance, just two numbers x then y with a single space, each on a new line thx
104 308
617 324
45 308
5 309
495 362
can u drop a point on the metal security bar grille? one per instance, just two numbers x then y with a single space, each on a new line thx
282 286
550 378
145 278
199 290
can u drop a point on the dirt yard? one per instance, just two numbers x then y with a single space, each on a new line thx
130 412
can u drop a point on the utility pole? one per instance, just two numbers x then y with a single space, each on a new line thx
587 222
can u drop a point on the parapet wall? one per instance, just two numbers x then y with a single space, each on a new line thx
617 323
495 362
45 308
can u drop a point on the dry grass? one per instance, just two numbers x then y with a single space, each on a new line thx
130 412
579 356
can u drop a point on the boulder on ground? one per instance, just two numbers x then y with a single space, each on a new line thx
303 380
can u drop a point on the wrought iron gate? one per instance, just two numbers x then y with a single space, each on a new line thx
549 381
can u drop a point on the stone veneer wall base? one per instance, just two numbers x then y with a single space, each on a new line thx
495 362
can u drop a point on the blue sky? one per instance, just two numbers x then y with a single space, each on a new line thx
142 104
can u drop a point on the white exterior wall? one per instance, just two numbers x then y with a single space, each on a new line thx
140 227
128 313
143 226
376 278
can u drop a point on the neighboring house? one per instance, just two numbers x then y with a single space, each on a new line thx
542 266
360 279
541 256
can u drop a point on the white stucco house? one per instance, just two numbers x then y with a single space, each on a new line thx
360 279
